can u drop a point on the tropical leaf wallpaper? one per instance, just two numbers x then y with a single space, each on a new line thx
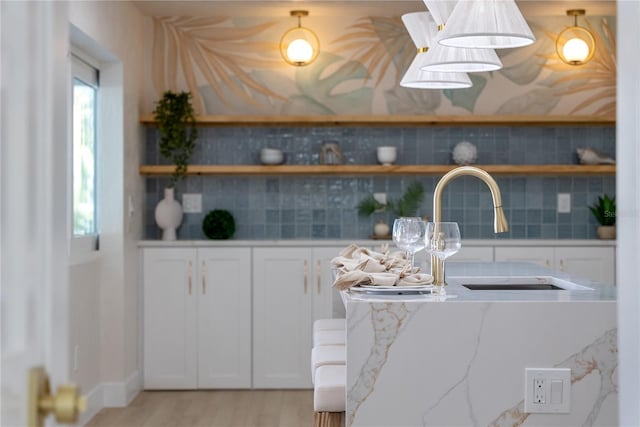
233 67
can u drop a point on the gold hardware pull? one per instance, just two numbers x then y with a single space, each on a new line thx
548 263
204 281
561 265
65 404
306 276
189 277
318 276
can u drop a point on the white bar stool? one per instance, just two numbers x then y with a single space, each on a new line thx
329 338
329 325
329 396
327 355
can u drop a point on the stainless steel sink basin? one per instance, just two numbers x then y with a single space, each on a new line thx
518 283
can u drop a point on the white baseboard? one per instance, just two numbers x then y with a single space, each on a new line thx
95 402
111 395
119 394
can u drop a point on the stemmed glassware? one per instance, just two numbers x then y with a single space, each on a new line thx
409 235
442 241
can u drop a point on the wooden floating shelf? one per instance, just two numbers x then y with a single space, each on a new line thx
567 170
389 120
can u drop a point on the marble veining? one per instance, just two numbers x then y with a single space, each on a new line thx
464 380
386 320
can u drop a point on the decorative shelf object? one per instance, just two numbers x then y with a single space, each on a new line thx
388 120
247 170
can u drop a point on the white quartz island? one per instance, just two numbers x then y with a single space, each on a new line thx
418 360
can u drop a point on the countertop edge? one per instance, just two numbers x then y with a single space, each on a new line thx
369 243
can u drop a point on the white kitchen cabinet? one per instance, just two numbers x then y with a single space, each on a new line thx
291 288
224 318
197 318
597 264
540 255
593 263
170 359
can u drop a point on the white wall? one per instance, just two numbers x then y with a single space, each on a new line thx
105 299
628 218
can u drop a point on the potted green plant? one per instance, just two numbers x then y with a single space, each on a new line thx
604 210
175 118
407 205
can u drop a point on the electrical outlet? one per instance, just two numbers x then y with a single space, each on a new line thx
547 390
564 202
539 392
192 203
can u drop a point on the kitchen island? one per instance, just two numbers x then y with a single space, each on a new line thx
421 360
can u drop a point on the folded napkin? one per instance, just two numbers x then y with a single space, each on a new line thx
358 277
361 266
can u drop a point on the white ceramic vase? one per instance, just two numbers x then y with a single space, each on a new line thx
168 215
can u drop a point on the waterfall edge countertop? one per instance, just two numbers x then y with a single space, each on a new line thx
417 360
469 273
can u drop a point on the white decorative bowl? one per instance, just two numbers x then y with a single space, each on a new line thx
387 155
271 156
464 153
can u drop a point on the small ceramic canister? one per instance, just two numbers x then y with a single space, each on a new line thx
387 155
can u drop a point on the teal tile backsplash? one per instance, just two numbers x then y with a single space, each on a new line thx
324 207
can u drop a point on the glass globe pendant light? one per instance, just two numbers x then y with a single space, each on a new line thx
299 46
575 45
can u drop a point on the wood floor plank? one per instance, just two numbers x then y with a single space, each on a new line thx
212 408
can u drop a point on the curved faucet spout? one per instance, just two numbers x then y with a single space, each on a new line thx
499 220
500 224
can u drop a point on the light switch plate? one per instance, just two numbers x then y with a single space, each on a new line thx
192 203
564 202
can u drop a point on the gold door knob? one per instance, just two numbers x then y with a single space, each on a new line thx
65 404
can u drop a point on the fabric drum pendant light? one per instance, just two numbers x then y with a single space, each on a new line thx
489 24
448 58
422 29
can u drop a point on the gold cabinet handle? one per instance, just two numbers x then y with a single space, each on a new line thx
318 277
65 404
204 280
548 263
561 265
306 276
189 277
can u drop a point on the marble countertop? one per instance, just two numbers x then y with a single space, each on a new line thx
459 273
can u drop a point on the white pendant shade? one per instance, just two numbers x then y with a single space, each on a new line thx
422 29
489 24
458 59
418 79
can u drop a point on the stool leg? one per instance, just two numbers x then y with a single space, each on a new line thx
328 419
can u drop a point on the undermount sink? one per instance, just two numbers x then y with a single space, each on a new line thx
518 283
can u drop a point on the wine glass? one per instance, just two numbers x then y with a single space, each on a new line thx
409 235
442 241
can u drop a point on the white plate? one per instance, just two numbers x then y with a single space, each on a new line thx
366 288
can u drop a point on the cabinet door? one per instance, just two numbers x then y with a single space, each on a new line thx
326 300
543 256
224 317
282 297
597 264
169 318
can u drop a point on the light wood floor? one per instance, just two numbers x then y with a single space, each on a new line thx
228 408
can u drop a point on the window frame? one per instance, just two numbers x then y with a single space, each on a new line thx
85 69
